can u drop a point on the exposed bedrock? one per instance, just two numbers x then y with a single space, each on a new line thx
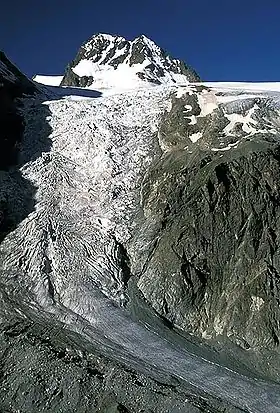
207 246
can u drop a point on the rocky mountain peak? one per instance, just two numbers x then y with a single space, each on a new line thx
98 43
106 61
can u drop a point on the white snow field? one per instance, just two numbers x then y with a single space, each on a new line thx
48 80
246 86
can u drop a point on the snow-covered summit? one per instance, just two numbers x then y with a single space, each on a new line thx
107 61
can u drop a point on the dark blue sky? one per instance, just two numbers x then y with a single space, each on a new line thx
222 40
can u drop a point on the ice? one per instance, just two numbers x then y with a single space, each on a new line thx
226 148
246 120
208 103
196 136
48 80
258 86
106 76
108 37
100 147
193 120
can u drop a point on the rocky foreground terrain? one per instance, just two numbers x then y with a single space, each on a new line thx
139 230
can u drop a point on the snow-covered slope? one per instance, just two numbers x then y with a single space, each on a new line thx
106 61
48 80
245 86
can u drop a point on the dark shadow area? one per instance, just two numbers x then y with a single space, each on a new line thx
58 92
17 193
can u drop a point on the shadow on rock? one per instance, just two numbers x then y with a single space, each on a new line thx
58 92
16 193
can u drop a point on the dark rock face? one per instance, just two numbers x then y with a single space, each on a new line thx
222 218
12 78
14 191
114 50
213 265
13 84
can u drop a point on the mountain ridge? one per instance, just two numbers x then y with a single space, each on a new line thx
106 61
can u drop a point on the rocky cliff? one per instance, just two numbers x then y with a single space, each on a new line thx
211 262
13 85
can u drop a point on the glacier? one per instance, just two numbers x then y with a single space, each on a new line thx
93 255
